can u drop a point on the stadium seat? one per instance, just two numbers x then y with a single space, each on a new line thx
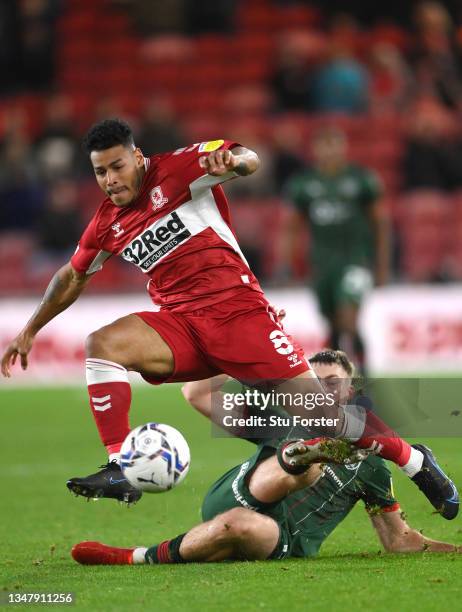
16 249
252 45
254 99
212 46
297 17
229 75
77 51
199 128
423 219
256 17
454 262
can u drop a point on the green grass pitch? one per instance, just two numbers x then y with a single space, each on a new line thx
48 435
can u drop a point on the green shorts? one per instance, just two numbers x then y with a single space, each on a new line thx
232 491
342 285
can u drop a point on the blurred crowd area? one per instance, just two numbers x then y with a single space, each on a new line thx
265 73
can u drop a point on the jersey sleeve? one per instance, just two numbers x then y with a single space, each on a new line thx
372 187
377 489
189 166
89 257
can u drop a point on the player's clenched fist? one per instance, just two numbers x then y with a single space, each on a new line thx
21 346
243 161
219 162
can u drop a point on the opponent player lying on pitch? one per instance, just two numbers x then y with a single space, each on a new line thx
284 504
168 216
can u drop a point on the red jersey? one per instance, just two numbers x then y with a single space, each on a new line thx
178 232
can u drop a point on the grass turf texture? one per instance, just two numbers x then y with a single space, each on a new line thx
48 435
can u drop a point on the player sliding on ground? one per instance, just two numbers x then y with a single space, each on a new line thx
168 216
280 504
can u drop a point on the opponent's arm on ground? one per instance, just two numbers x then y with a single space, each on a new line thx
397 537
199 393
203 395
380 226
240 160
64 288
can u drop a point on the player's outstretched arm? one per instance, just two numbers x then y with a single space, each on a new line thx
397 537
240 160
64 288
199 393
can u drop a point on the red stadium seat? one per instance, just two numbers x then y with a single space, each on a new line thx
206 101
255 45
76 24
200 128
256 17
254 99
111 76
455 237
120 48
390 34
424 227
15 247
297 17
218 84
212 47
77 51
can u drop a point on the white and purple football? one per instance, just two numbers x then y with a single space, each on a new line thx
155 457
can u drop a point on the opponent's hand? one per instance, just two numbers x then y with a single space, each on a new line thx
219 162
280 313
21 346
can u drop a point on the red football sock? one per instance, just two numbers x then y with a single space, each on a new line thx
110 399
110 403
387 442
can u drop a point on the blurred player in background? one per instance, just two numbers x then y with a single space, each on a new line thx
280 504
168 216
341 204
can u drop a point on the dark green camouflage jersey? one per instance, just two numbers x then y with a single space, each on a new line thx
314 513
336 210
306 517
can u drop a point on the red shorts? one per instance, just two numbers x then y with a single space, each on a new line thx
240 337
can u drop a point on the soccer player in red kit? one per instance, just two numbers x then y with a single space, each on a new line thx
168 216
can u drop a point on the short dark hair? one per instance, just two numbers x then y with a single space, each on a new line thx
106 134
330 356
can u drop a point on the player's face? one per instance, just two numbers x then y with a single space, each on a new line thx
335 380
119 172
329 150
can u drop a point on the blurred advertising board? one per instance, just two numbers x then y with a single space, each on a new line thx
409 330
414 330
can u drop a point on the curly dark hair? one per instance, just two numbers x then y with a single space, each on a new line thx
329 356
106 134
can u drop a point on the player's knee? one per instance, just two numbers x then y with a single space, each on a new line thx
99 344
235 525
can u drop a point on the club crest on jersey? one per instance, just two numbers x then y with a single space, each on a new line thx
157 198
117 230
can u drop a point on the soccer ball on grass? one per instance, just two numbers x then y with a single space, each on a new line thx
155 457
